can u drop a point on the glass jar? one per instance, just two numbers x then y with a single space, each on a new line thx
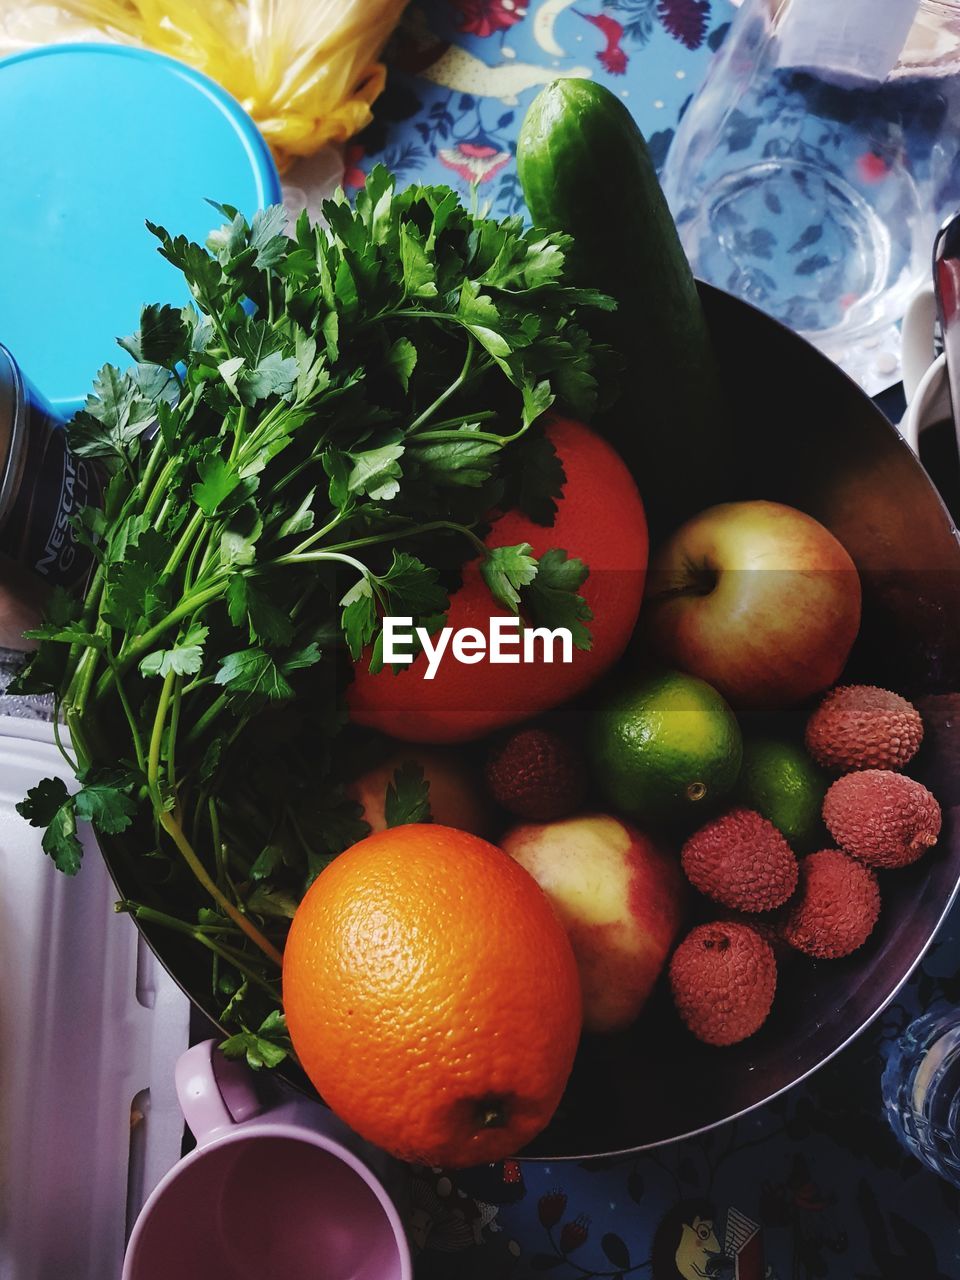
811 171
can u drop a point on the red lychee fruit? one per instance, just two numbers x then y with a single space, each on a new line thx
883 818
742 861
770 928
836 907
858 726
723 977
536 774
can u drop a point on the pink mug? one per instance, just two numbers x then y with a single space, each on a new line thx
264 1195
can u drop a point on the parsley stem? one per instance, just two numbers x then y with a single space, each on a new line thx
186 538
454 386
200 933
128 712
152 916
320 533
203 723
174 726
312 557
482 415
176 834
189 574
159 498
488 437
156 737
94 593
237 959
78 738
217 842
263 427
156 453
238 432
57 704
395 534
86 670
90 611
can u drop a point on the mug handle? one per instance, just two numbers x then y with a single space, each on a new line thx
215 1093
917 340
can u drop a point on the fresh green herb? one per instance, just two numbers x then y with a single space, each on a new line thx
408 796
281 461
265 1047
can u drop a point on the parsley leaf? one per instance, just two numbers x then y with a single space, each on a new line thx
463 462
136 586
552 597
359 618
412 587
113 418
268 1046
537 477
253 673
254 676
163 337
185 658
49 805
267 236
373 472
402 359
105 800
505 570
218 479
408 796
249 605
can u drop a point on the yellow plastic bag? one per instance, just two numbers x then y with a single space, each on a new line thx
307 71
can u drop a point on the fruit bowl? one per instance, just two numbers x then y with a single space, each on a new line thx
806 436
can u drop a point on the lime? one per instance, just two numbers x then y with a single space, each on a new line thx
779 780
664 745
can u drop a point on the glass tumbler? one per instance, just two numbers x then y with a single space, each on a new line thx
812 169
921 1091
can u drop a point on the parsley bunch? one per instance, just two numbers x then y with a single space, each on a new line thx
283 462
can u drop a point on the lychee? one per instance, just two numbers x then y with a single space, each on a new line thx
742 861
723 977
883 818
836 907
859 726
536 774
770 928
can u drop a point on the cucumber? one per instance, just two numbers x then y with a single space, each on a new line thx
586 170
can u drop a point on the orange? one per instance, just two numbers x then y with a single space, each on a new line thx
600 520
432 996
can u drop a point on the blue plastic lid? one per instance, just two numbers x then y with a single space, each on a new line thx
94 140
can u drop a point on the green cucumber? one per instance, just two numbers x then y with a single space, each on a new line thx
586 171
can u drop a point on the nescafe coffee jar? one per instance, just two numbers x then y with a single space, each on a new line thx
42 485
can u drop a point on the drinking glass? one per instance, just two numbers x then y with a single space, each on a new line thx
921 1091
811 171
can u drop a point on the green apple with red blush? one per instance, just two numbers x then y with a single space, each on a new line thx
758 599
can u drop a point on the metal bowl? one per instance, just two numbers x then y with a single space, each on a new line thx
807 436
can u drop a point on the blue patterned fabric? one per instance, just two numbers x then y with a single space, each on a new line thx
813 1185
463 72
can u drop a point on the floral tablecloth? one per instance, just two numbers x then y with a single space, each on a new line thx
814 1184
463 72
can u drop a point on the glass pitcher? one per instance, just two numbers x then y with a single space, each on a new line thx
811 171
